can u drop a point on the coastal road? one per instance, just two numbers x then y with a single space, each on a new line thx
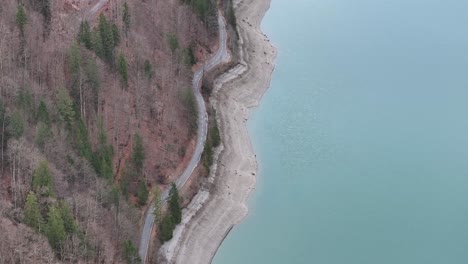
221 56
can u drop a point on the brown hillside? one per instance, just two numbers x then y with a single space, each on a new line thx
87 139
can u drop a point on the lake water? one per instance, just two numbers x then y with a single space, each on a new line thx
362 139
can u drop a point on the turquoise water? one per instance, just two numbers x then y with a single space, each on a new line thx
362 139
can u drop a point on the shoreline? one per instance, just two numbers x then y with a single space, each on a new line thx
221 205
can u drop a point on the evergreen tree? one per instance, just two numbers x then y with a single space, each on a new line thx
126 17
106 169
67 218
188 56
157 205
84 35
25 101
44 7
96 43
123 70
203 8
208 154
174 204
32 213
55 228
115 35
138 153
213 140
43 113
46 12
4 131
102 160
75 59
191 108
82 142
114 196
65 108
21 19
17 124
142 193
42 179
131 253
148 69
215 135
173 42
102 40
166 228
103 26
108 38
124 186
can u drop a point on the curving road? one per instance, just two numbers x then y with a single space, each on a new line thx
221 56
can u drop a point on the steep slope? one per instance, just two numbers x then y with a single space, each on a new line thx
92 116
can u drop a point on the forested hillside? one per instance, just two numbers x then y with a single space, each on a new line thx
96 110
